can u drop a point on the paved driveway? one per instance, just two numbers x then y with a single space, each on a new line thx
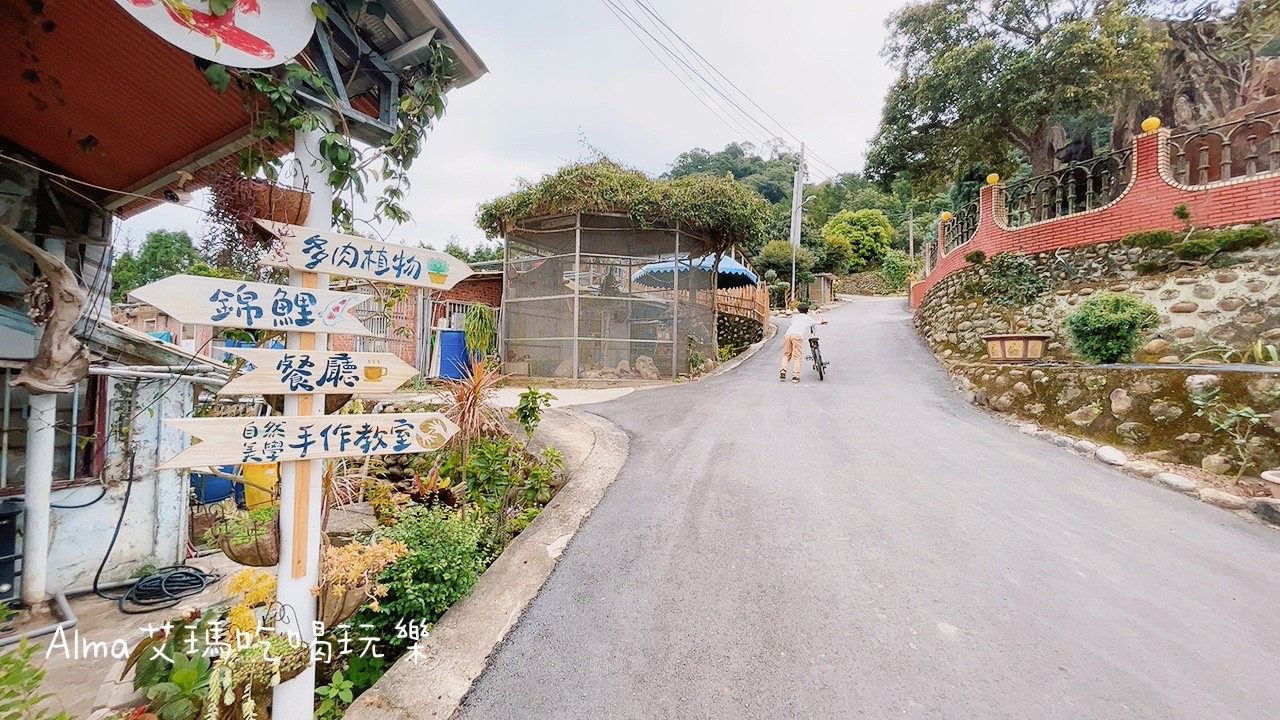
873 547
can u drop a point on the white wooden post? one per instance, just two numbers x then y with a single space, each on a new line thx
302 482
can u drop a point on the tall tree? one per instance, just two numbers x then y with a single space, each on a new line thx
980 79
162 253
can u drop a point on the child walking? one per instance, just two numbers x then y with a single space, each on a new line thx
801 329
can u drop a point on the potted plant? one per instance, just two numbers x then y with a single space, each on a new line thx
1272 480
348 577
250 538
1012 282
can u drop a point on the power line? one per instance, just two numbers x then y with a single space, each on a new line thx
648 8
719 111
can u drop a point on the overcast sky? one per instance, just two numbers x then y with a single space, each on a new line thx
566 76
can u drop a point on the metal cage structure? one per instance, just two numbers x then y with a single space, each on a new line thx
578 303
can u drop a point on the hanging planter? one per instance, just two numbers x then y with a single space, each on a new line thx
249 538
348 577
279 204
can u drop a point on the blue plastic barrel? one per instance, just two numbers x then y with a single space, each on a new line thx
211 488
453 354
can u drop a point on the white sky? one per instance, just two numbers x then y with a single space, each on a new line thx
565 74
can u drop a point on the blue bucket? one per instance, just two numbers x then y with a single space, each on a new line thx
454 362
212 489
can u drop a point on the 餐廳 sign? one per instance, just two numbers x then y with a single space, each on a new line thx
300 372
321 251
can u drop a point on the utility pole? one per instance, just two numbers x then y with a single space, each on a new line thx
911 232
797 215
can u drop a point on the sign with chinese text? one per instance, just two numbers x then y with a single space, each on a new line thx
239 440
194 300
320 251
246 33
299 372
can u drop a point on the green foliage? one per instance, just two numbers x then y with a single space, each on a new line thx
335 697
897 269
1151 239
20 681
445 559
868 232
771 177
978 81
480 330
182 695
727 212
1182 212
1013 282
696 358
1197 247
528 411
1107 328
163 253
484 252
278 109
1237 423
975 257
241 527
1250 237
837 255
364 670
776 256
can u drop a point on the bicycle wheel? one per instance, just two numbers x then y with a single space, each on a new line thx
818 364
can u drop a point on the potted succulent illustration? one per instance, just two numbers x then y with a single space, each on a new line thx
1013 282
438 270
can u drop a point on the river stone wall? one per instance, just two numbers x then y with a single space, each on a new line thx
1234 303
1146 409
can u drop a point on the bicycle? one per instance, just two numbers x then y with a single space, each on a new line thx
819 364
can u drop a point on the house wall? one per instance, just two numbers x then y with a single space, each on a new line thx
154 528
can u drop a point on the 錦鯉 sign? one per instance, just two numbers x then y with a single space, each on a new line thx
239 440
219 302
321 251
299 372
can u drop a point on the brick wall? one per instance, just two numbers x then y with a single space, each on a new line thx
1146 204
485 289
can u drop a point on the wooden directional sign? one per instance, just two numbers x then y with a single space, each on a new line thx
321 251
301 372
239 440
253 306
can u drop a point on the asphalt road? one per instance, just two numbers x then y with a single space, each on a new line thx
873 547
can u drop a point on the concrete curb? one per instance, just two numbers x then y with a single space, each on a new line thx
1265 510
458 648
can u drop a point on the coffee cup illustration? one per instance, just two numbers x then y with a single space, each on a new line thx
438 270
374 372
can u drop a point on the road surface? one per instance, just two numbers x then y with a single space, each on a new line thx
873 547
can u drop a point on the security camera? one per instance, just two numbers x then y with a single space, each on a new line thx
180 197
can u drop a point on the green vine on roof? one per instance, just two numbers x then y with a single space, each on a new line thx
277 111
727 212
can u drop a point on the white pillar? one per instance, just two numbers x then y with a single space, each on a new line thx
38 484
294 699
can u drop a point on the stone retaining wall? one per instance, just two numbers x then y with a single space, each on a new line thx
1235 303
1142 408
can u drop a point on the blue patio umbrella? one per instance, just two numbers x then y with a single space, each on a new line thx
731 273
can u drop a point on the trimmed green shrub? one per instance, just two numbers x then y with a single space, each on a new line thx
1107 328
1149 267
1197 247
977 257
1151 239
445 559
1233 240
896 269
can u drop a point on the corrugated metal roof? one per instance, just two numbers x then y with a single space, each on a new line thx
99 95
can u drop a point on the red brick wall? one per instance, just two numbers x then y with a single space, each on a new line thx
1147 204
485 289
